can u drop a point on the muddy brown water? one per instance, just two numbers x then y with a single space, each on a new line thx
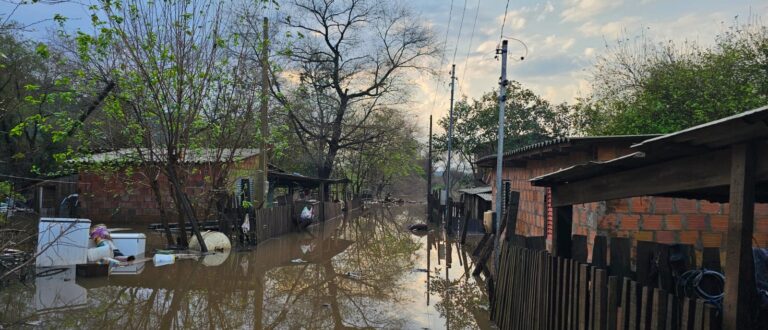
366 271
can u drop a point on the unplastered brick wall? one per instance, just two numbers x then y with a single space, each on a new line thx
663 220
532 210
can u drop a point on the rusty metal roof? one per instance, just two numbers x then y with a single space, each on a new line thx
563 143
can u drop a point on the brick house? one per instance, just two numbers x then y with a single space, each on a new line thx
658 219
121 193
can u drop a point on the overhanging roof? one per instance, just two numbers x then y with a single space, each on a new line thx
294 179
560 146
476 190
202 155
692 163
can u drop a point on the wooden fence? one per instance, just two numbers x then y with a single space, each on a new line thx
332 210
273 222
535 290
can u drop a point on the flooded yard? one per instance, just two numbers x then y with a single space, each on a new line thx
367 271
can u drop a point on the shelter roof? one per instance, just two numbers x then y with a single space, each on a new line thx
476 190
202 155
282 178
706 143
560 146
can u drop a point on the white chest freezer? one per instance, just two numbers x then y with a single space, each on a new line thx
62 242
130 244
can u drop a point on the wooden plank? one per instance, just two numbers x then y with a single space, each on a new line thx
659 309
703 170
579 248
671 318
565 298
612 309
711 259
644 260
620 248
685 316
601 295
645 304
740 275
583 301
698 315
573 293
709 317
600 252
623 319
592 296
634 299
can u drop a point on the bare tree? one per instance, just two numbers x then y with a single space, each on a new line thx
352 59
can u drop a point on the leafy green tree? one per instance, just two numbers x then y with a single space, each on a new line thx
392 153
646 87
529 119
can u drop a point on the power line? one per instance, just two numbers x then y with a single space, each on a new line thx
442 58
504 22
458 36
469 48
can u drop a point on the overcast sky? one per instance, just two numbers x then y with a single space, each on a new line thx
563 38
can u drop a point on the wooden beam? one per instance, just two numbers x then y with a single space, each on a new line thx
700 171
739 271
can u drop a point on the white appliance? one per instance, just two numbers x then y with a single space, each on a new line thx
130 244
62 242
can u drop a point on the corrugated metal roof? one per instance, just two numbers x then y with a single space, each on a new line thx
204 155
485 196
572 140
476 190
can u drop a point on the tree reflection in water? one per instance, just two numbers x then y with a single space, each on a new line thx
359 273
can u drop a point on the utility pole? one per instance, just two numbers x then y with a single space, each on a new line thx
429 173
264 119
448 163
500 150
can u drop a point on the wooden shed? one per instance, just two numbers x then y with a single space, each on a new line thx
721 161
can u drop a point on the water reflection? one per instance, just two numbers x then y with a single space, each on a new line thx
363 272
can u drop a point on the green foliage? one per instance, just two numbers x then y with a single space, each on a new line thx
528 119
662 88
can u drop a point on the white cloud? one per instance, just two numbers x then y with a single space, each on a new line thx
580 10
589 51
610 29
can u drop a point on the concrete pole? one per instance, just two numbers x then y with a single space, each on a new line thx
429 173
448 163
500 151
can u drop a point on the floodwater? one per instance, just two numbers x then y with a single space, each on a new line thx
366 271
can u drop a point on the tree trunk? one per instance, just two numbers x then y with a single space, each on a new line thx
155 185
184 206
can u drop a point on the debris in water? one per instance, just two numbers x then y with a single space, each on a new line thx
327 305
298 261
355 275
420 270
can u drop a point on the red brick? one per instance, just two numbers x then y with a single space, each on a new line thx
696 222
629 222
686 205
761 225
652 222
761 209
707 207
607 222
689 237
673 222
719 223
663 205
618 205
711 239
644 236
640 204
666 237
